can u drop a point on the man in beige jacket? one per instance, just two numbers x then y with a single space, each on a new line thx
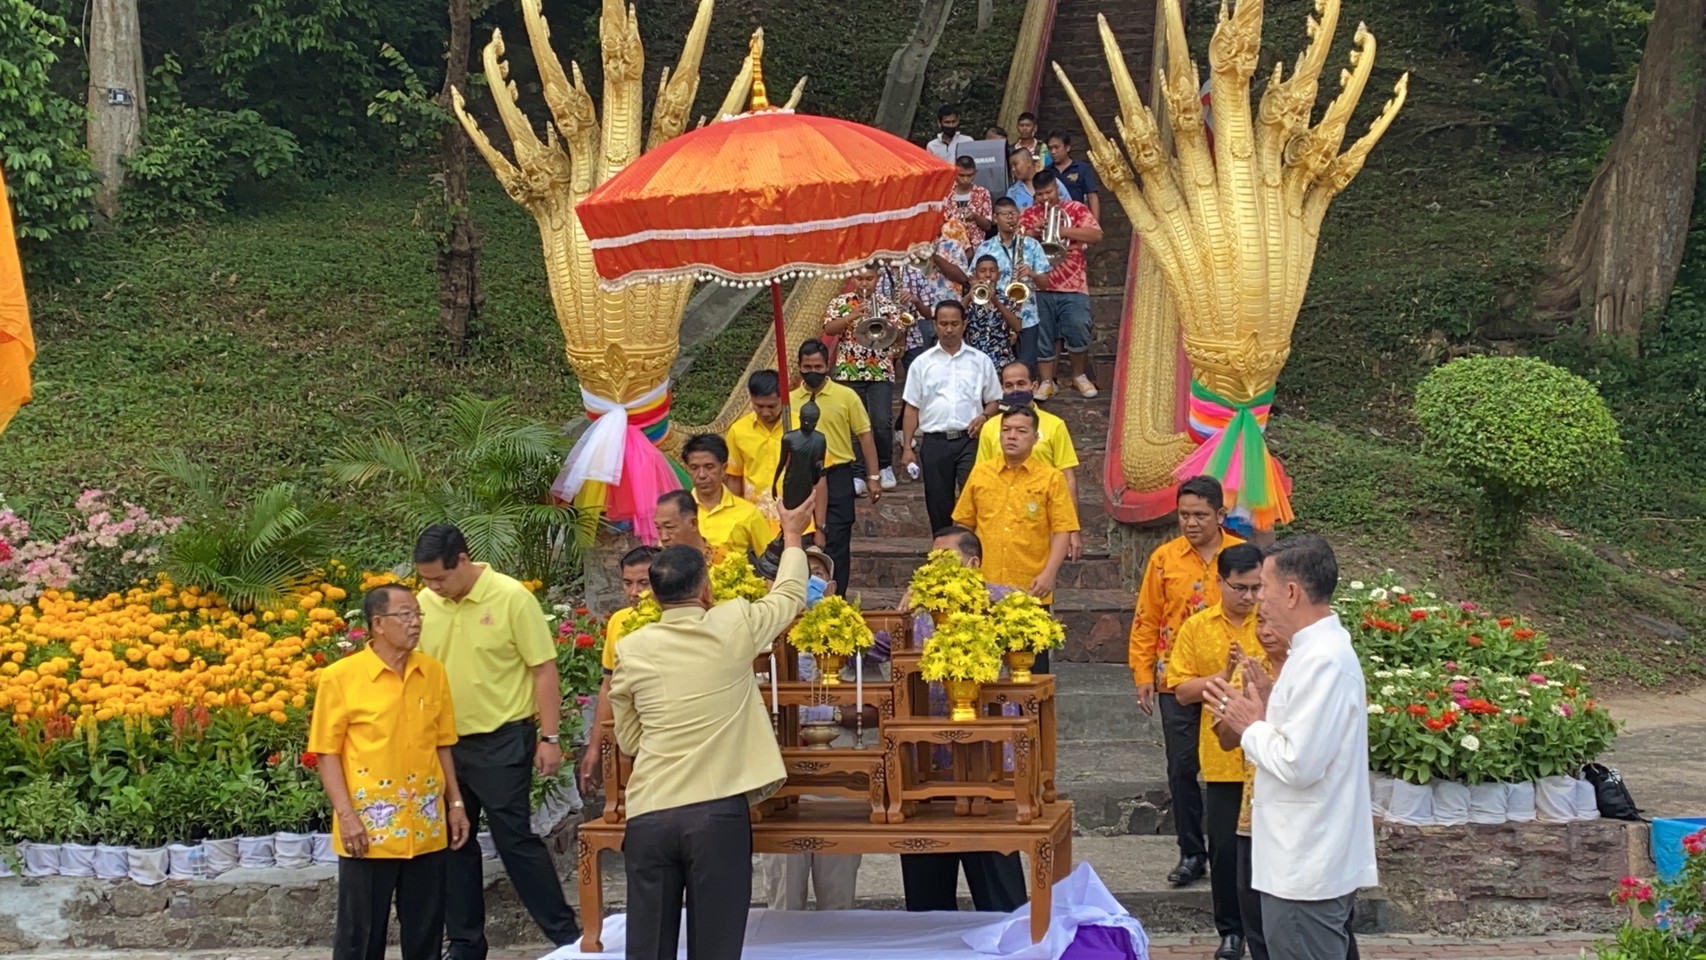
689 711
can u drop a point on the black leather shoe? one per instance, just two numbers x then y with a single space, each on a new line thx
1231 947
1189 871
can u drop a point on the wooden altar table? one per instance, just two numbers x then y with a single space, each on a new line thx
844 827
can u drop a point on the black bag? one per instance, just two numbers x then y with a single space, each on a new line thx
1612 794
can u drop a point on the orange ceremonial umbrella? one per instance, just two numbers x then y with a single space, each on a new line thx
767 195
17 345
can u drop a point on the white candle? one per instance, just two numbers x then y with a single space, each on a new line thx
859 697
775 695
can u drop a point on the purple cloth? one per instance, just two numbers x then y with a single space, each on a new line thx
1100 943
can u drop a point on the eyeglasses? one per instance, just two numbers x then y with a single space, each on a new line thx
406 617
1243 589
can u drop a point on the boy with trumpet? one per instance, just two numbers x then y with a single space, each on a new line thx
1019 260
992 317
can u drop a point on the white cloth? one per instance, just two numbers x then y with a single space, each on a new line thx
950 389
1312 827
1081 900
833 879
947 151
597 455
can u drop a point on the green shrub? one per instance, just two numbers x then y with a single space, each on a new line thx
48 177
1520 429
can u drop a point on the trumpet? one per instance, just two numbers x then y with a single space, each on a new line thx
982 294
1053 244
1018 291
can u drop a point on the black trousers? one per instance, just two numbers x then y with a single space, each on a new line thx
931 881
879 404
366 888
701 852
1222 801
946 464
838 521
495 771
1179 730
1250 909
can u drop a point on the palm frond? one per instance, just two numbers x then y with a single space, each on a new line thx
383 454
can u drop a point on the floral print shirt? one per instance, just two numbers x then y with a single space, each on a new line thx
1177 584
968 208
988 331
854 362
1070 275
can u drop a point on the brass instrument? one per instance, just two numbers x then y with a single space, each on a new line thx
982 294
1054 245
1018 291
879 332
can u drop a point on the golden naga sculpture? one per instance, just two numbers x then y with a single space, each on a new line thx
1230 232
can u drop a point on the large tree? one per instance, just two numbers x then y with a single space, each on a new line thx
117 103
459 296
1621 255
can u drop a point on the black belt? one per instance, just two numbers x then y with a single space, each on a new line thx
948 435
840 466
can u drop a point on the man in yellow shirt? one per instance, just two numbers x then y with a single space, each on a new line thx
1212 644
755 444
383 727
842 417
1177 583
727 522
636 567
1054 441
490 633
1018 506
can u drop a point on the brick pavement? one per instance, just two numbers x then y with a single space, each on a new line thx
1560 947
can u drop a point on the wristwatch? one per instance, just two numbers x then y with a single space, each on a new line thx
552 740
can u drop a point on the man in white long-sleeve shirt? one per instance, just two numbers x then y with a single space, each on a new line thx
1312 829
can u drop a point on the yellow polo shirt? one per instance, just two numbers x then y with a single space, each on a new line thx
733 524
755 453
841 416
489 643
1054 441
613 630
1200 649
384 731
1015 511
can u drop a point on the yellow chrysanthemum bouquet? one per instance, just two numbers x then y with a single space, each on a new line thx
646 611
944 586
733 577
962 649
1023 626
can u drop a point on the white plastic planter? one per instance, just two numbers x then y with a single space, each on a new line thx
1380 793
1412 804
1451 803
149 867
292 851
219 856
324 851
255 853
488 846
1489 802
112 862
1555 799
1587 800
184 861
76 860
40 859
1520 802
6 860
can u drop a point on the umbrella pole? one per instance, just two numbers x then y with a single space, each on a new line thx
781 349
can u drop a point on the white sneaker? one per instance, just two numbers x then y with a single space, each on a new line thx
1086 389
859 486
889 482
1044 391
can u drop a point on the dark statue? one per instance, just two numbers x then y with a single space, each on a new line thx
799 470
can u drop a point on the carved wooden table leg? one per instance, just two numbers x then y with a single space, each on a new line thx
1045 730
1042 887
896 774
1025 790
591 882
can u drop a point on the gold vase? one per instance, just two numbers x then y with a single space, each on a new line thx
818 736
1019 665
829 668
963 695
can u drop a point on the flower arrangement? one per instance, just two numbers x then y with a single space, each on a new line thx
646 611
108 548
733 576
943 585
1023 626
1672 911
963 648
834 627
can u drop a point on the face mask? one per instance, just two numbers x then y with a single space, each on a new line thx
949 133
814 379
815 586
1019 398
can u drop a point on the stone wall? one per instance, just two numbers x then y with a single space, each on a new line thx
1511 879
247 908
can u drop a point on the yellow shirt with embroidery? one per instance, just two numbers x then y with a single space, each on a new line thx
1054 441
755 451
612 631
1176 584
1015 511
384 731
489 643
841 416
1200 649
733 524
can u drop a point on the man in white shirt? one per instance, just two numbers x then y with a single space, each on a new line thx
951 389
1312 829
947 144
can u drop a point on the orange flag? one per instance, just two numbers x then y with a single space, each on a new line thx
17 344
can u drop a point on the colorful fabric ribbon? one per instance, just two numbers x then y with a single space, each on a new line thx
1232 448
615 467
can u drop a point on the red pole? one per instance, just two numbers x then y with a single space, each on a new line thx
781 347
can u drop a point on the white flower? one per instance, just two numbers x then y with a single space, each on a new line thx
1553 683
1382 674
1470 742
1523 692
1431 595
1376 658
1389 691
1398 589
1378 593
1375 708
351 614
1579 666
1459 676
1356 584
1404 671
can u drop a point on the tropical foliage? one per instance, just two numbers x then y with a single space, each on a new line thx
48 177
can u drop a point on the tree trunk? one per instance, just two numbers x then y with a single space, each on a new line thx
985 14
117 104
905 81
459 296
1621 255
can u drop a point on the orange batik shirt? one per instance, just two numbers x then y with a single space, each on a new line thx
1176 585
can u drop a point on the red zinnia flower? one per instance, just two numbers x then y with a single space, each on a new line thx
1431 695
1406 598
319 656
1475 641
273 759
584 640
1418 615
309 760
1523 633
1505 621
1450 717
1435 724
1417 710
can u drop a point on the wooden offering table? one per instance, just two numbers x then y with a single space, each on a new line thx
845 827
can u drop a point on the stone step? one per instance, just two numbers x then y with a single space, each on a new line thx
1097 701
